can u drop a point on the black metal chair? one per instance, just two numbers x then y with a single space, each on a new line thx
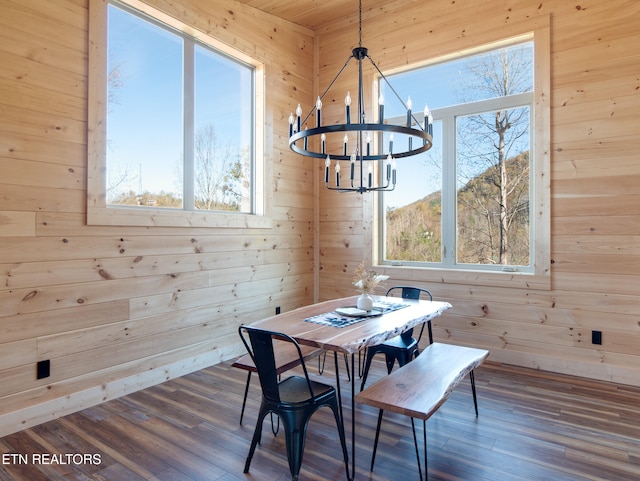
293 400
402 348
286 359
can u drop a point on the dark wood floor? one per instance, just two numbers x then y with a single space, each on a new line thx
532 426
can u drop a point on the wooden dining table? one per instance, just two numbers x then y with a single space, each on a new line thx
319 325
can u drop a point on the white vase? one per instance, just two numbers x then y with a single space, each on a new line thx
364 302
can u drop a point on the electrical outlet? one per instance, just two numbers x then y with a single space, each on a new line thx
278 310
596 337
43 369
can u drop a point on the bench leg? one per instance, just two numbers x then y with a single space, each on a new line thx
473 390
375 443
424 441
415 442
246 392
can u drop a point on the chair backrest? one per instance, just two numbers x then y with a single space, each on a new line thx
260 346
410 292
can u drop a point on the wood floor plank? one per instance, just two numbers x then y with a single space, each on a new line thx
533 426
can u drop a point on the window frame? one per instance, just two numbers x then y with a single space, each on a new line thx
101 213
537 275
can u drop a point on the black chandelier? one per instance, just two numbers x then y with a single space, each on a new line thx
364 152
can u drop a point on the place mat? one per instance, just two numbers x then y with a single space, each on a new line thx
336 320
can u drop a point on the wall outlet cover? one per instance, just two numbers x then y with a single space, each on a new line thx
43 369
596 337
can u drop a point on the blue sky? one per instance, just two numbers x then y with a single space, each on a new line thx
148 110
145 122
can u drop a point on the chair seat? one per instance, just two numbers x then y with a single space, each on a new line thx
295 390
397 342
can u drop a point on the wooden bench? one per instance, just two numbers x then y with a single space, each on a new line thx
420 387
286 357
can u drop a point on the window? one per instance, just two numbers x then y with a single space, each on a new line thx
467 204
177 139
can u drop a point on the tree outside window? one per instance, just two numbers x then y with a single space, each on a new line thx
466 202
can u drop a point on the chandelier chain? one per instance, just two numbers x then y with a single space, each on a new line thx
360 25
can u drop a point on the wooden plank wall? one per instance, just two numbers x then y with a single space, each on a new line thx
116 309
119 308
595 179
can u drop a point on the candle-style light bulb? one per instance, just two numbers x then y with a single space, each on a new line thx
391 144
409 105
393 172
327 164
426 118
370 175
318 112
291 121
353 166
389 160
299 117
323 138
381 109
346 141
337 173
347 104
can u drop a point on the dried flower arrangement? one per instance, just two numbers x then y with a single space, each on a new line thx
366 280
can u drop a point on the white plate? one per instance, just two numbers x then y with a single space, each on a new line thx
353 311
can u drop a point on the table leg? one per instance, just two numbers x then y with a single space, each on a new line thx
350 475
353 419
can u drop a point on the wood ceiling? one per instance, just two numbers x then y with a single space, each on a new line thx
315 14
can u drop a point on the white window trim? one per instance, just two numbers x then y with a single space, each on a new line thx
98 213
539 276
